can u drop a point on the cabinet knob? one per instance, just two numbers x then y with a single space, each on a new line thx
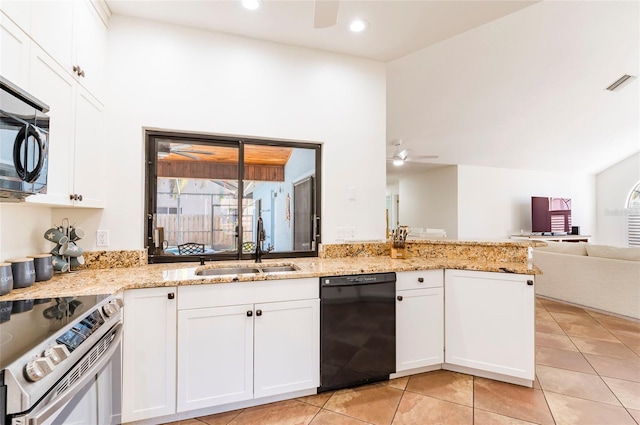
258 312
171 295
249 313
79 197
530 282
399 297
421 279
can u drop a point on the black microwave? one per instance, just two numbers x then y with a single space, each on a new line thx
24 143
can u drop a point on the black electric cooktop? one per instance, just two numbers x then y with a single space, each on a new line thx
26 323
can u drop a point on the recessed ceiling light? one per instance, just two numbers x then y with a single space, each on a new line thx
252 4
358 25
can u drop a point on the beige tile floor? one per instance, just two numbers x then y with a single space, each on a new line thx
587 370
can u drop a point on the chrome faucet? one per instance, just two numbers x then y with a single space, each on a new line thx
260 237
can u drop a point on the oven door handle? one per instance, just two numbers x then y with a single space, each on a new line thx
39 416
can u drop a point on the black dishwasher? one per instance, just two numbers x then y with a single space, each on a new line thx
358 329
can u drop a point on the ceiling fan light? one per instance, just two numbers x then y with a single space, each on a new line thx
251 4
358 25
398 161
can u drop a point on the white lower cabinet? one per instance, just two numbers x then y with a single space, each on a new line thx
149 353
419 319
287 347
230 353
490 323
215 352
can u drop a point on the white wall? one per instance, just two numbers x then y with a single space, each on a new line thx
613 186
430 200
493 203
176 78
22 229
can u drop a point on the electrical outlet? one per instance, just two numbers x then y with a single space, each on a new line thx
102 238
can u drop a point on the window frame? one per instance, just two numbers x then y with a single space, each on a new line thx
150 206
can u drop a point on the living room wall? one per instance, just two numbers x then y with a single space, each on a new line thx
613 186
494 203
430 200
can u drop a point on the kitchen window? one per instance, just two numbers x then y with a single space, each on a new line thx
205 195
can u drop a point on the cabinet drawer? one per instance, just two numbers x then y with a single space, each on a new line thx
223 294
419 279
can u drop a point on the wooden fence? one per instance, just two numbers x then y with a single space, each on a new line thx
215 232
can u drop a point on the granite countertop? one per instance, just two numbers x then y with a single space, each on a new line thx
116 280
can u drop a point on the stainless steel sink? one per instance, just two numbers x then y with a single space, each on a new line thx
279 269
227 270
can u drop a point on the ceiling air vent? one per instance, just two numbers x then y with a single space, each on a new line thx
619 83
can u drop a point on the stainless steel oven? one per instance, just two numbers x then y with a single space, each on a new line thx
61 361
24 143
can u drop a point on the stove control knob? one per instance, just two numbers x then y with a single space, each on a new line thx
38 369
57 353
111 308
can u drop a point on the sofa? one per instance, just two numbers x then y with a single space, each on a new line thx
602 277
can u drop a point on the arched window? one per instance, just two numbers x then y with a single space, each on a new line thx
633 216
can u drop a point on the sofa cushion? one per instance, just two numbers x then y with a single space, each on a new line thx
573 248
619 253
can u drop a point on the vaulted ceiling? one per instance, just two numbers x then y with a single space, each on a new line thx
514 84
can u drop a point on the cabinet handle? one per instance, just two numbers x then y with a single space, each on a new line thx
421 279
258 312
79 71
249 313
399 297
530 282
79 197
171 295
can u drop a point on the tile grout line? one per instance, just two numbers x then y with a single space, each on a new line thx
544 394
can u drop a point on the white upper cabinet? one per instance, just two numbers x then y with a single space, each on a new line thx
90 47
75 175
55 50
15 46
52 29
73 34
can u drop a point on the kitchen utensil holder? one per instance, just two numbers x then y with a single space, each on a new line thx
398 250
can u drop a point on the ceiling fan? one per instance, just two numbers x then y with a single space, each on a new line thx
400 156
166 149
325 13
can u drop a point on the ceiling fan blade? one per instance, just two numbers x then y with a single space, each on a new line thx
196 152
187 155
419 158
325 13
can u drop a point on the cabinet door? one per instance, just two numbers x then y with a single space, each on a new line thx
489 322
88 177
215 356
90 45
52 85
419 328
14 45
149 354
287 347
52 29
